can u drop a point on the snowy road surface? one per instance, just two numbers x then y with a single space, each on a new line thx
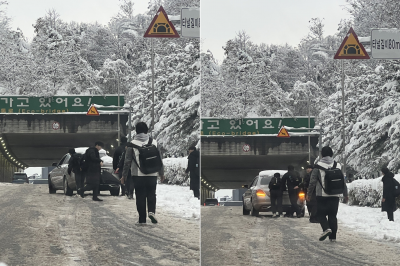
230 238
38 228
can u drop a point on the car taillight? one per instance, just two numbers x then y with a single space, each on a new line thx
302 195
261 193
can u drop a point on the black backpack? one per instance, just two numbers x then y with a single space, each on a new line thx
149 158
334 180
275 184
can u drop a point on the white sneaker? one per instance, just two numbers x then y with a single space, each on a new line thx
273 215
332 240
152 217
325 234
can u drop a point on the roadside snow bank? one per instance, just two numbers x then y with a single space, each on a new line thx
178 200
368 192
174 169
370 221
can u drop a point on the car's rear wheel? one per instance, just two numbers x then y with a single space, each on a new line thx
254 212
114 191
52 190
245 212
67 190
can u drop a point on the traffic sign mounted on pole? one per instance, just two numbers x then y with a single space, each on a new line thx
190 22
161 27
385 43
93 111
351 48
283 133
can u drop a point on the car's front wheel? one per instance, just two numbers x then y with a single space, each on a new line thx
52 190
67 190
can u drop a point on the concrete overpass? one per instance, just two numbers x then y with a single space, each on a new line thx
37 131
38 140
228 162
234 151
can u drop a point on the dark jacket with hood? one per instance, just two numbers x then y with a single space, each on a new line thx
93 172
194 169
291 179
74 163
117 155
388 192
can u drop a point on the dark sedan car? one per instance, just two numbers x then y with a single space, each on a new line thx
59 179
20 178
211 202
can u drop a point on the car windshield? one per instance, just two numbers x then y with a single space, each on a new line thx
265 180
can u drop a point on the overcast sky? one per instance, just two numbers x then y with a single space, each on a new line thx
265 21
24 13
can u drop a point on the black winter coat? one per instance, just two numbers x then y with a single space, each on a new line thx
275 184
117 155
291 179
193 168
74 164
94 169
388 193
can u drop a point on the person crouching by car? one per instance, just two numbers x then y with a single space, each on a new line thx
275 190
388 197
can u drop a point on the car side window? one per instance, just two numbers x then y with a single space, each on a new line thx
66 160
254 181
62 160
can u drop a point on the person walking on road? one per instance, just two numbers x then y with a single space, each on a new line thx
194 169
275 190
312 204
292 180
388 197
145 183
117 158
75 167
327 204
93 173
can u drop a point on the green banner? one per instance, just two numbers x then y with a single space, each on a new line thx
252 126
55 104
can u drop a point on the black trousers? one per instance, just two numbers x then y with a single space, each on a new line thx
276 201
312 207
328 206
79 180
294 196
196 193
145 190
130 185
390 215
94 187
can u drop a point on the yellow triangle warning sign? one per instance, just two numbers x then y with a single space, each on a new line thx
92 111
351 48
161 27
283 133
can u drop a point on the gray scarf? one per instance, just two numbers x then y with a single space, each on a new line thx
142 137
327 160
